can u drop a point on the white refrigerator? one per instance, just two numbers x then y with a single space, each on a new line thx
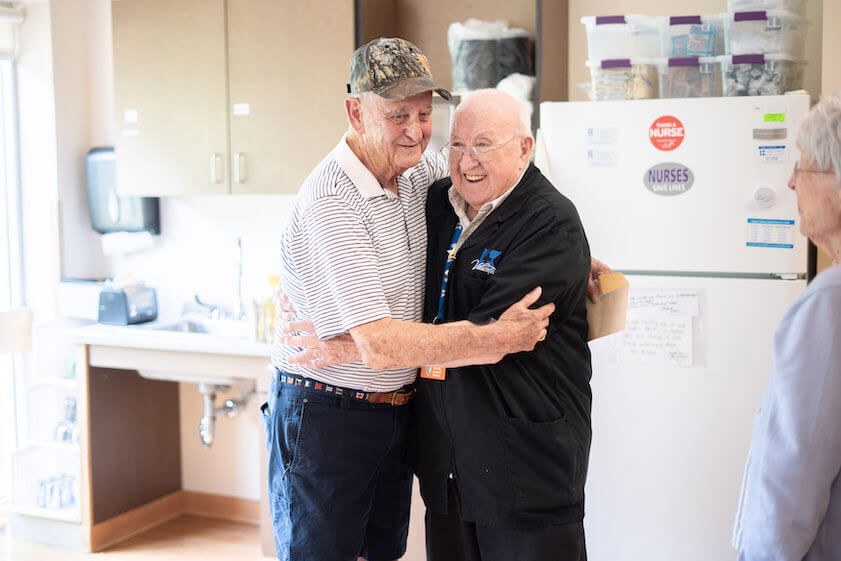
689 198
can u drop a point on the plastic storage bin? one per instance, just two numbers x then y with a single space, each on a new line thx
51 413
760 74
614 37
771 31
796 6
685 36
46 482
690 77
619 79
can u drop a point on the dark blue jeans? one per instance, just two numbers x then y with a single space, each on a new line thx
339 480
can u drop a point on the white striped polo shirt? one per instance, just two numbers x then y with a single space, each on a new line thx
353 253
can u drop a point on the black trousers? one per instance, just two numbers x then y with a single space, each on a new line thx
449 538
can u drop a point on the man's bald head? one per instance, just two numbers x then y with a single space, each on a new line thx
498 105
491 145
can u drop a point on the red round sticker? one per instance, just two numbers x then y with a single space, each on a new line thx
666 133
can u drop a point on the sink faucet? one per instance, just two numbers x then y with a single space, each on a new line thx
212 311
238 313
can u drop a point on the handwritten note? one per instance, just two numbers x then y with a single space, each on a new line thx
656 340
663 303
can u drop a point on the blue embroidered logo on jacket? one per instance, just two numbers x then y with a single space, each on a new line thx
485 263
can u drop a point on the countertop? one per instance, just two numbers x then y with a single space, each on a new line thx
150 336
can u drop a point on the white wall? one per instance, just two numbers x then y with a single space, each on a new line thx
38 161
80 93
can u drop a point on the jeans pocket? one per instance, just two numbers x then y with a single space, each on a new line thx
544 462
285 426
266 417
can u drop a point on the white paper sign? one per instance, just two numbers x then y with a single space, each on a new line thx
656 340
601 135
773 153
765 232
602 157
663 303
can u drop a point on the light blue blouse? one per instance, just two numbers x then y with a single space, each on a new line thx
790 509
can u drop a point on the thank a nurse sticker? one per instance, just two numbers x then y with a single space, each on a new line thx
666 133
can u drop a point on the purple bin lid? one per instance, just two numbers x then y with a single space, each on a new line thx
750 16
684 20
748 59
616 63
602 20
684 61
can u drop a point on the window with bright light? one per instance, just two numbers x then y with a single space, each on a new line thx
10 267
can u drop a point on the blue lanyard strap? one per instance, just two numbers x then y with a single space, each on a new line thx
451 256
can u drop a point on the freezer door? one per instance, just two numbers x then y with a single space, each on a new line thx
670 442
681 184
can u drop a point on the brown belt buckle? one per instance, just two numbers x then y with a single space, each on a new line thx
401 393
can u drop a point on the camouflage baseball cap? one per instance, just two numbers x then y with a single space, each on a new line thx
392 68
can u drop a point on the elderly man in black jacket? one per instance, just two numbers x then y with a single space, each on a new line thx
501 450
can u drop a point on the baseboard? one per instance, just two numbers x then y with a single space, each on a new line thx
136 521
222 507
146 517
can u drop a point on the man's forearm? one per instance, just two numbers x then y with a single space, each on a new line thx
388 343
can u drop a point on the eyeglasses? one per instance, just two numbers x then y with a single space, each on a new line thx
480 152
817 171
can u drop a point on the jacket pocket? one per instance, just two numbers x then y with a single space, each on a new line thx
545 465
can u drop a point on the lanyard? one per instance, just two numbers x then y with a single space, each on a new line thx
451 256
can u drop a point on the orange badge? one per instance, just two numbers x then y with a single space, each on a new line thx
433 373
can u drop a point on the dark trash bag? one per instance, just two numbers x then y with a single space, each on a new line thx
482 63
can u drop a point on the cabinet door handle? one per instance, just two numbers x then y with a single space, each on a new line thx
239 168
215 175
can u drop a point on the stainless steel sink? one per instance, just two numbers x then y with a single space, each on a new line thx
206 326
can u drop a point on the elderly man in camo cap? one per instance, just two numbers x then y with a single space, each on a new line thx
354 260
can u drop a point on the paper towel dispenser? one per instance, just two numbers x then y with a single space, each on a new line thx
110 212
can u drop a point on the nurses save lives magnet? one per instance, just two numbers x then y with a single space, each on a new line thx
666 133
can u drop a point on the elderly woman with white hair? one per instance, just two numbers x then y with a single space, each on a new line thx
790 509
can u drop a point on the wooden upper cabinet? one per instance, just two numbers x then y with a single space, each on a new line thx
288 66
236 96
170 97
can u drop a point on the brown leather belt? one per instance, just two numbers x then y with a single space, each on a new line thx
395 398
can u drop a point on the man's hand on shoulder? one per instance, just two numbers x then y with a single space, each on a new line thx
520 327
597 269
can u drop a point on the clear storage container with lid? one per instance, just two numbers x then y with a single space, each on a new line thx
689 77
796 6
685 36
760 74
766 31
620 79
613 37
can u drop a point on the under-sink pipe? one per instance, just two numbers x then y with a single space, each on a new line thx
230 408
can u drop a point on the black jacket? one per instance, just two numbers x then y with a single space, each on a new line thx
514 435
